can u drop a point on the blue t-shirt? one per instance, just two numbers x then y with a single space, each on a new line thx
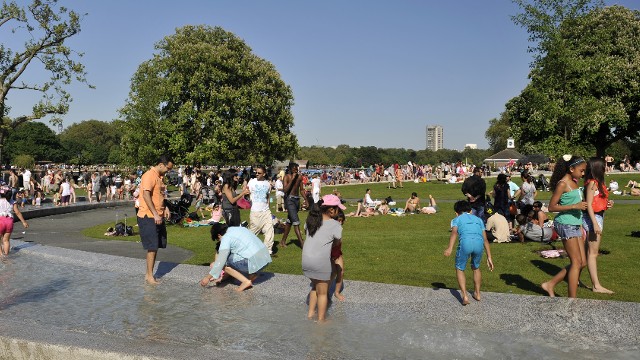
470 227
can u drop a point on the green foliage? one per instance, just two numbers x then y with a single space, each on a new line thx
35 139
92 141
205 97
24 161
584 92
43 27
498 132
366 156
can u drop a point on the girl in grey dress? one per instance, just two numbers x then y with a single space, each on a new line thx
322 232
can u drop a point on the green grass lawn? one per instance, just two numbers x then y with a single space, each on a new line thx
409 250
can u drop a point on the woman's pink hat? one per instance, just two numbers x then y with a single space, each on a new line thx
332 200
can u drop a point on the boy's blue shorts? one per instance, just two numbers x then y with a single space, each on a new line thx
469 249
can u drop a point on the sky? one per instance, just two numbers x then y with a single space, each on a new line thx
362 72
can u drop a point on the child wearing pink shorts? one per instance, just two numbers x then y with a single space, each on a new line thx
7 209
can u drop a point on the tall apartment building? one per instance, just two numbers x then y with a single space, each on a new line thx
435 137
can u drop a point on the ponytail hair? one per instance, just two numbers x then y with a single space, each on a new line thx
314 220
563 167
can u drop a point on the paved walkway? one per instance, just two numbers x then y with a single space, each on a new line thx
65 231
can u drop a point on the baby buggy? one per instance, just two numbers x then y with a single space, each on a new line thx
178 209
542 183
208 195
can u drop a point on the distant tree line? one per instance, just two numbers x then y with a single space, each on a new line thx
344 155
88 142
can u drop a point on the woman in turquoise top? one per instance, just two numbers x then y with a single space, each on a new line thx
240 252
567 201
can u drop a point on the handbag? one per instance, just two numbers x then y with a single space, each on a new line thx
243 203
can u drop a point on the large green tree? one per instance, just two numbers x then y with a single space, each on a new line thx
36 139
584 93
92 141
498 133
205 97
43 28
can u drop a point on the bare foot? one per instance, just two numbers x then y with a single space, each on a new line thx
338 296
465 301
311 315
244 286
602 290
283 244
475 296
151 280
546 287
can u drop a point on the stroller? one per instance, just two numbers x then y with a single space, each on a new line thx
208 195
542 183
178 209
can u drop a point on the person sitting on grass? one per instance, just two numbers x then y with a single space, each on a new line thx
497 228
473 238
531 229
240 253
413 203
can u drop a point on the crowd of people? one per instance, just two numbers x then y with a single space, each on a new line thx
502 213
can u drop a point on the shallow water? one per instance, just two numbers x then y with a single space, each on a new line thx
48 293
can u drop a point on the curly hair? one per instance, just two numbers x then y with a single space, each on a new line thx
562 168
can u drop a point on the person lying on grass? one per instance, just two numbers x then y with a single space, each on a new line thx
241 255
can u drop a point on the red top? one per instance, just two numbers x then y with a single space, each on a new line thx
599 200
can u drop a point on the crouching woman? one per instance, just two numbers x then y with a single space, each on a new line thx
240 254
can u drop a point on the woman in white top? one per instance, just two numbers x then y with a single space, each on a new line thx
528 190
65 192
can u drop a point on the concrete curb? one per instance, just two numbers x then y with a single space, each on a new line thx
58 210
609 326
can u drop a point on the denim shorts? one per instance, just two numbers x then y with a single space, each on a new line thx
588 225
568 231
293 205
241 265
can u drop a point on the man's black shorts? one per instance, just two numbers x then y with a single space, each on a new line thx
152 236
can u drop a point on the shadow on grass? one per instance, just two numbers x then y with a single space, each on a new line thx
548 268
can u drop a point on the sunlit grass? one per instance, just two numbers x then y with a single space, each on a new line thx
409 249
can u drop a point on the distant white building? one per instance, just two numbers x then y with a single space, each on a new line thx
470 146
435 137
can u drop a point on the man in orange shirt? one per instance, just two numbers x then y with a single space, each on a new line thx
153 232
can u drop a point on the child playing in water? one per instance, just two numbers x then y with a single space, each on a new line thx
338 260
470 228
7 209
